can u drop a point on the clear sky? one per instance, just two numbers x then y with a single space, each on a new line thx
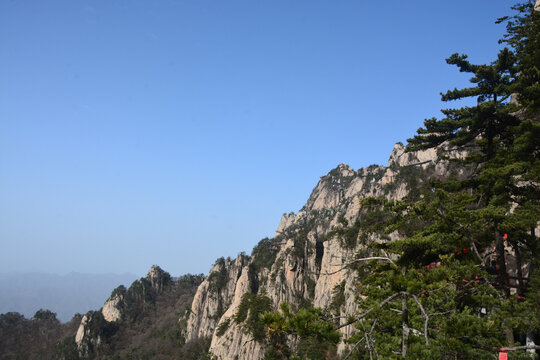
140 132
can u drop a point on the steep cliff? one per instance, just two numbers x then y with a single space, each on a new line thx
306 261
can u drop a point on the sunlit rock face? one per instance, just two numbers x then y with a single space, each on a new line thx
111 309
214 296
307 264
80 331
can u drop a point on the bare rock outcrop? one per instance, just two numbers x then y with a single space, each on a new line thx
306 261
214 296
112 309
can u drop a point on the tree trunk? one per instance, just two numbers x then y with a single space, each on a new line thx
404 321
502 274
520 282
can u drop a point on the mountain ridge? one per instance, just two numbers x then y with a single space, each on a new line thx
305 264
310 259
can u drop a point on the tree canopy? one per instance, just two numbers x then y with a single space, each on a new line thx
461 281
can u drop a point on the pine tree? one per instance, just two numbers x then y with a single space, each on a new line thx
447 235
523 35
432 300
482 125
442 291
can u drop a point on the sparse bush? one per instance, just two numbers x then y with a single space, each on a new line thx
223 327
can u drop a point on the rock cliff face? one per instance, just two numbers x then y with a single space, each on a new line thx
306 260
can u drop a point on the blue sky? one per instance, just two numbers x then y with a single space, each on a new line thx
135 133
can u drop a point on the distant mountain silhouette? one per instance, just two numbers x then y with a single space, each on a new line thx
65 295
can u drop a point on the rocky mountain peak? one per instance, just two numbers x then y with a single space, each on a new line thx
331 188
345 170
306 259
158 277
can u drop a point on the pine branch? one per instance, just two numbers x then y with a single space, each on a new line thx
354 348
367 312
524 347
426 317
344 266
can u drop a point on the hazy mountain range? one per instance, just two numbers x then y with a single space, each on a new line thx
63 294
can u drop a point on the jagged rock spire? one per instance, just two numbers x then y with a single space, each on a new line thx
158 278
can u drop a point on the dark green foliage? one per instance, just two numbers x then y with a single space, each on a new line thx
21 338
264 254
523 35
300 243
436 263
218 279
249 311
338 297
141 290
490 119
99 327
416 179
45 315
253 277
66 349
223 327
319 253
310 286
195 350
98 333
314 349
11 318
375 215
143 293
316 338
189 280
139 295
447 226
